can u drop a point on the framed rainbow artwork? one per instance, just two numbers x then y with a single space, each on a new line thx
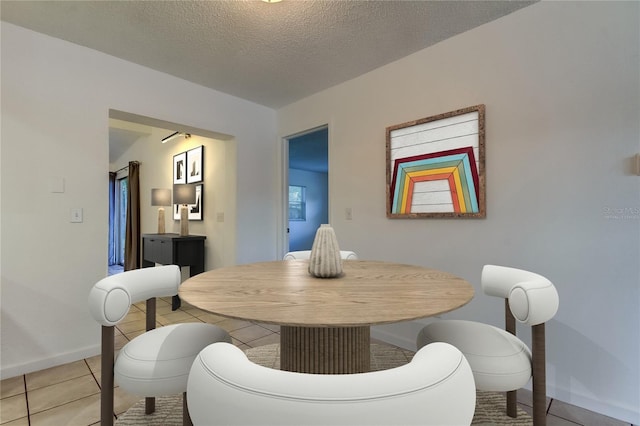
435 166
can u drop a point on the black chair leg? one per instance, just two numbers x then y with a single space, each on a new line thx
512 404
150 402
149 405
175 303
186 418
510 326
539 375
106 376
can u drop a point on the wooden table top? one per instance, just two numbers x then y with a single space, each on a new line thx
367 293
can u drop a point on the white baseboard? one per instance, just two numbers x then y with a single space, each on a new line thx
393 339
401 334
626 414
7 372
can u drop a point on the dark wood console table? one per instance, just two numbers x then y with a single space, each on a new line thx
173 249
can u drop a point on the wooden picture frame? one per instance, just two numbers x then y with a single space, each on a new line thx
435 166
195 163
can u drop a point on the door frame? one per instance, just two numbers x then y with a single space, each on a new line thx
283 240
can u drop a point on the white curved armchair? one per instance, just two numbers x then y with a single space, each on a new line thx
435 388
157 362
306 254
500 361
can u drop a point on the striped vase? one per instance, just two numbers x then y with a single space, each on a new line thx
325 260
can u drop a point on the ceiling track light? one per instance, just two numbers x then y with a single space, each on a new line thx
175 135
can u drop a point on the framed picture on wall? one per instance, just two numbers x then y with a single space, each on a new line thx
194 165
194 210
180 168
435 166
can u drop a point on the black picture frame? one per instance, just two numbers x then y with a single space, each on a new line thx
195 163
194 210
180 168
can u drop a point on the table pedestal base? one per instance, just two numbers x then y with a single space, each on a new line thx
322 350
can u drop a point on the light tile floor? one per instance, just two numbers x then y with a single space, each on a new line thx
70 394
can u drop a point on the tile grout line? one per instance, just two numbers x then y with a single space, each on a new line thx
93 374
26 398
65 403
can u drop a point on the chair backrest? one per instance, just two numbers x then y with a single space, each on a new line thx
533 299
111 297
306 254
435 388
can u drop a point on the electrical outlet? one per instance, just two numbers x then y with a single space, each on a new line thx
347 213
76 215
220 217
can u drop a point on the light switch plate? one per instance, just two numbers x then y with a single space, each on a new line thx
76 215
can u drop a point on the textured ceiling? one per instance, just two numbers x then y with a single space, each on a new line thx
271 54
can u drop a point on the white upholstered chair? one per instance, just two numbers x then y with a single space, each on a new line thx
306 254
500 361
435 388
157 362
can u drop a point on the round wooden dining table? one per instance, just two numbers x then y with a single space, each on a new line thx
325 322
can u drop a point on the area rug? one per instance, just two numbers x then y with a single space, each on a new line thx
490 406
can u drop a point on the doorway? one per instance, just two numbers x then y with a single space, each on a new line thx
138 138
307 187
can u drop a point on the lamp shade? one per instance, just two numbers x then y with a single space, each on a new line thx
184 194
160 197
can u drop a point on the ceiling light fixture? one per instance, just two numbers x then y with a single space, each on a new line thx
272 1
175 135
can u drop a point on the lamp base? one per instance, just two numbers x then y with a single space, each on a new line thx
184 221
161 229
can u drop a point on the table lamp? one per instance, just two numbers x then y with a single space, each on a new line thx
183 195
161 197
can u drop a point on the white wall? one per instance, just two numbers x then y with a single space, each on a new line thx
302 233
56 98
560 81
561 86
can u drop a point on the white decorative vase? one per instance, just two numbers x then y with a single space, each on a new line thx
325 260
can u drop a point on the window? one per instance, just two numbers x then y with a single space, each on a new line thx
118 194
122 189
297 201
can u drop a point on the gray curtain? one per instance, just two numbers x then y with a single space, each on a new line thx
132 240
